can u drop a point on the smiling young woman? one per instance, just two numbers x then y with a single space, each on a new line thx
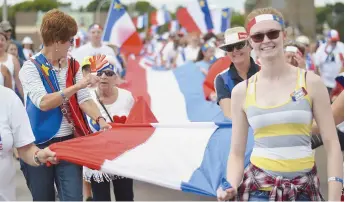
279 103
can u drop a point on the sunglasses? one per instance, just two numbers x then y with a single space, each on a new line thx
107 73
259 37
71 41
238 46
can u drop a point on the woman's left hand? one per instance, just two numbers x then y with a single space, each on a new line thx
104 125
46 155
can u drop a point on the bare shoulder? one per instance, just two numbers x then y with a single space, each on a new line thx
313 80
239 91
314 84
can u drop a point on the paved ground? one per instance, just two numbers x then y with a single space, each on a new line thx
148 192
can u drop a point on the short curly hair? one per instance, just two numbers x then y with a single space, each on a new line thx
57 26
261 11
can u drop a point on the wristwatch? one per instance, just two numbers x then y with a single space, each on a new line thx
100 117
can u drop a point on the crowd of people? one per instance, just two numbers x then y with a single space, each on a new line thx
281 88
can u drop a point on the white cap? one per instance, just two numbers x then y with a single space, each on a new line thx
27 40
303 40
333 35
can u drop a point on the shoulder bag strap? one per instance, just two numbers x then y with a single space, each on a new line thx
100 102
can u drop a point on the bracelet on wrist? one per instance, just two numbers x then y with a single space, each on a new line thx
36 159
337 179
63 96
99 118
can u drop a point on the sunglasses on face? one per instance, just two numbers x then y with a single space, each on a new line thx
238 46
107 73
71 41
259 37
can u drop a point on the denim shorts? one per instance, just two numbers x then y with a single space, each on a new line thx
264 196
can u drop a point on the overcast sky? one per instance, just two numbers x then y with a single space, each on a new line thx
172 4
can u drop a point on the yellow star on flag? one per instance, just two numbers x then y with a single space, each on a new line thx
202 3
225 14
117 6
45 69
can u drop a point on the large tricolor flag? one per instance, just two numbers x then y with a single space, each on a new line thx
221 19
196 17
120 29
161 143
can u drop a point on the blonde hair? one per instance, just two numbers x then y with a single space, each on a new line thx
261 11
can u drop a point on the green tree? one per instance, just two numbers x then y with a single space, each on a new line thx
237 19
143 7
333 15
36 5
92 6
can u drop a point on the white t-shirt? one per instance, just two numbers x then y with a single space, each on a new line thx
15 131
27 53
121 107
88 50
191 53
329 62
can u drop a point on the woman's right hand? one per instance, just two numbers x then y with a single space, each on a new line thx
225 195
87 81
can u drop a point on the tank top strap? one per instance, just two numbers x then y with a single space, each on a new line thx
250 94
302 83
301 79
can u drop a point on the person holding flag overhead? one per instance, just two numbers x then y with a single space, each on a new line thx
95 46
241 68
279 104
115 104
56 99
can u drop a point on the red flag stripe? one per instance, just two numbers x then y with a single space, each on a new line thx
186 20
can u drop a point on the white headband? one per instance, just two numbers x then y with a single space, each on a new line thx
293 49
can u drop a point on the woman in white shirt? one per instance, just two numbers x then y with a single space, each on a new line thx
16 132
28 47
11 63
115 104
